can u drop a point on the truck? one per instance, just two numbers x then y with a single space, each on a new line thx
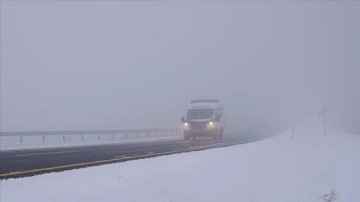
204 118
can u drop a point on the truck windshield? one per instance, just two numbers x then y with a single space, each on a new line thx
200 113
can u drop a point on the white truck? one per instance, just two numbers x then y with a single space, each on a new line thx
204 118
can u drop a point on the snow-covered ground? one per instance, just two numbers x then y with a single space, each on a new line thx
312 167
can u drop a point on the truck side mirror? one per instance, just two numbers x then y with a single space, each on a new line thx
182 120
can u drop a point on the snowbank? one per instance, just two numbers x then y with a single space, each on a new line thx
309 168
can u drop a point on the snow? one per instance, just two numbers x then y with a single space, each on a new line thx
312 167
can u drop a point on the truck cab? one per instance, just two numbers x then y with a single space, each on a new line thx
204 118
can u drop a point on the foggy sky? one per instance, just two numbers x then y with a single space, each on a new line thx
122 65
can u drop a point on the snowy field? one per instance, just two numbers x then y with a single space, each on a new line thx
53 141
312 167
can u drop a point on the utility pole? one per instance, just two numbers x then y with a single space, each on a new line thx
293 130
324 125
324 112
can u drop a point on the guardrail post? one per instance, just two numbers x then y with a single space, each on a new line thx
82 137
98 136
63 137
21 139
113 135
147 134
43 139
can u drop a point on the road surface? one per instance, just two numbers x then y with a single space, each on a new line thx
20 163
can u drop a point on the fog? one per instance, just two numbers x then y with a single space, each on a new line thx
125 65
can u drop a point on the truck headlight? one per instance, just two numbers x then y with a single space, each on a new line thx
186 124
211 123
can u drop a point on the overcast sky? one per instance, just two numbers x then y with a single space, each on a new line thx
123 65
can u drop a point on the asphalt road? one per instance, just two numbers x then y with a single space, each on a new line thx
20 163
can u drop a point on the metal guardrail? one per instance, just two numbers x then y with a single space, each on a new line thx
126 133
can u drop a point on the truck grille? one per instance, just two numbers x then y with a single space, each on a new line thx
198 125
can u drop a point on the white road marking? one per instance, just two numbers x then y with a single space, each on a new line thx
47 153
120 156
